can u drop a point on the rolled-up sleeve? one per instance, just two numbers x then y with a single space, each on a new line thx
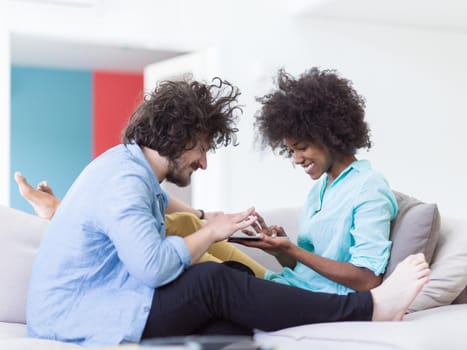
374 209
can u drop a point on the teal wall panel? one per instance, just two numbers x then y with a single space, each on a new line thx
51 127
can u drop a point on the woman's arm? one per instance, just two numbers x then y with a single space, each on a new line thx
347 274
288 253
276 243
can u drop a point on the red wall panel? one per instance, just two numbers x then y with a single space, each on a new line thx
115 97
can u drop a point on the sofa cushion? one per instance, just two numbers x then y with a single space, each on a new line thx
422 330
42 344
414 230
461 298
448 277
12 330
20 236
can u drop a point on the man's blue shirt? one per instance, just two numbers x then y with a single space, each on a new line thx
347 221
104 254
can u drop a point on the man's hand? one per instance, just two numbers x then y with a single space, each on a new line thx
219 228
221 225
212 214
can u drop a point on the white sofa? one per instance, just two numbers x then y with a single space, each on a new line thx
441 327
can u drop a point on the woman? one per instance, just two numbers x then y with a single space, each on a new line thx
343 239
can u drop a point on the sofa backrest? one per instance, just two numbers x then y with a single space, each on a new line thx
20 235
415 229
448 278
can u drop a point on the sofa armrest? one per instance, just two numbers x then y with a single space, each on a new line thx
20 236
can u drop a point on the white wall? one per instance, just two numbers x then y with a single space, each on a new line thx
413 80
414 83
4 113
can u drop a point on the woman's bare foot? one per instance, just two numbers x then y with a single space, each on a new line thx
392 298
41 199
44 187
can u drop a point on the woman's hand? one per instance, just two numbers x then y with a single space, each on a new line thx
273 240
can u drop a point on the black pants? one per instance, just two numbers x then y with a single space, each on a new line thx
211 298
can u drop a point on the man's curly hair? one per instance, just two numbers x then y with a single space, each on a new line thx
174 116
319 106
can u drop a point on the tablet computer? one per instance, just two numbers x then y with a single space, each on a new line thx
241 235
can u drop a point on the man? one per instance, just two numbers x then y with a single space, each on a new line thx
180 219
106 273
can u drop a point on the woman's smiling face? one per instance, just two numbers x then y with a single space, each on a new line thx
313 157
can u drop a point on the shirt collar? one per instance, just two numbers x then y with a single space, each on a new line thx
358 165
137 152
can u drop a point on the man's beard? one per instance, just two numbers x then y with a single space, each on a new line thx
175 174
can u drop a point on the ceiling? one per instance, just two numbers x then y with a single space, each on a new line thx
91 33
81 34
37 51
434 14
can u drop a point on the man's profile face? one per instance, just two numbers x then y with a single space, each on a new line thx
180 169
